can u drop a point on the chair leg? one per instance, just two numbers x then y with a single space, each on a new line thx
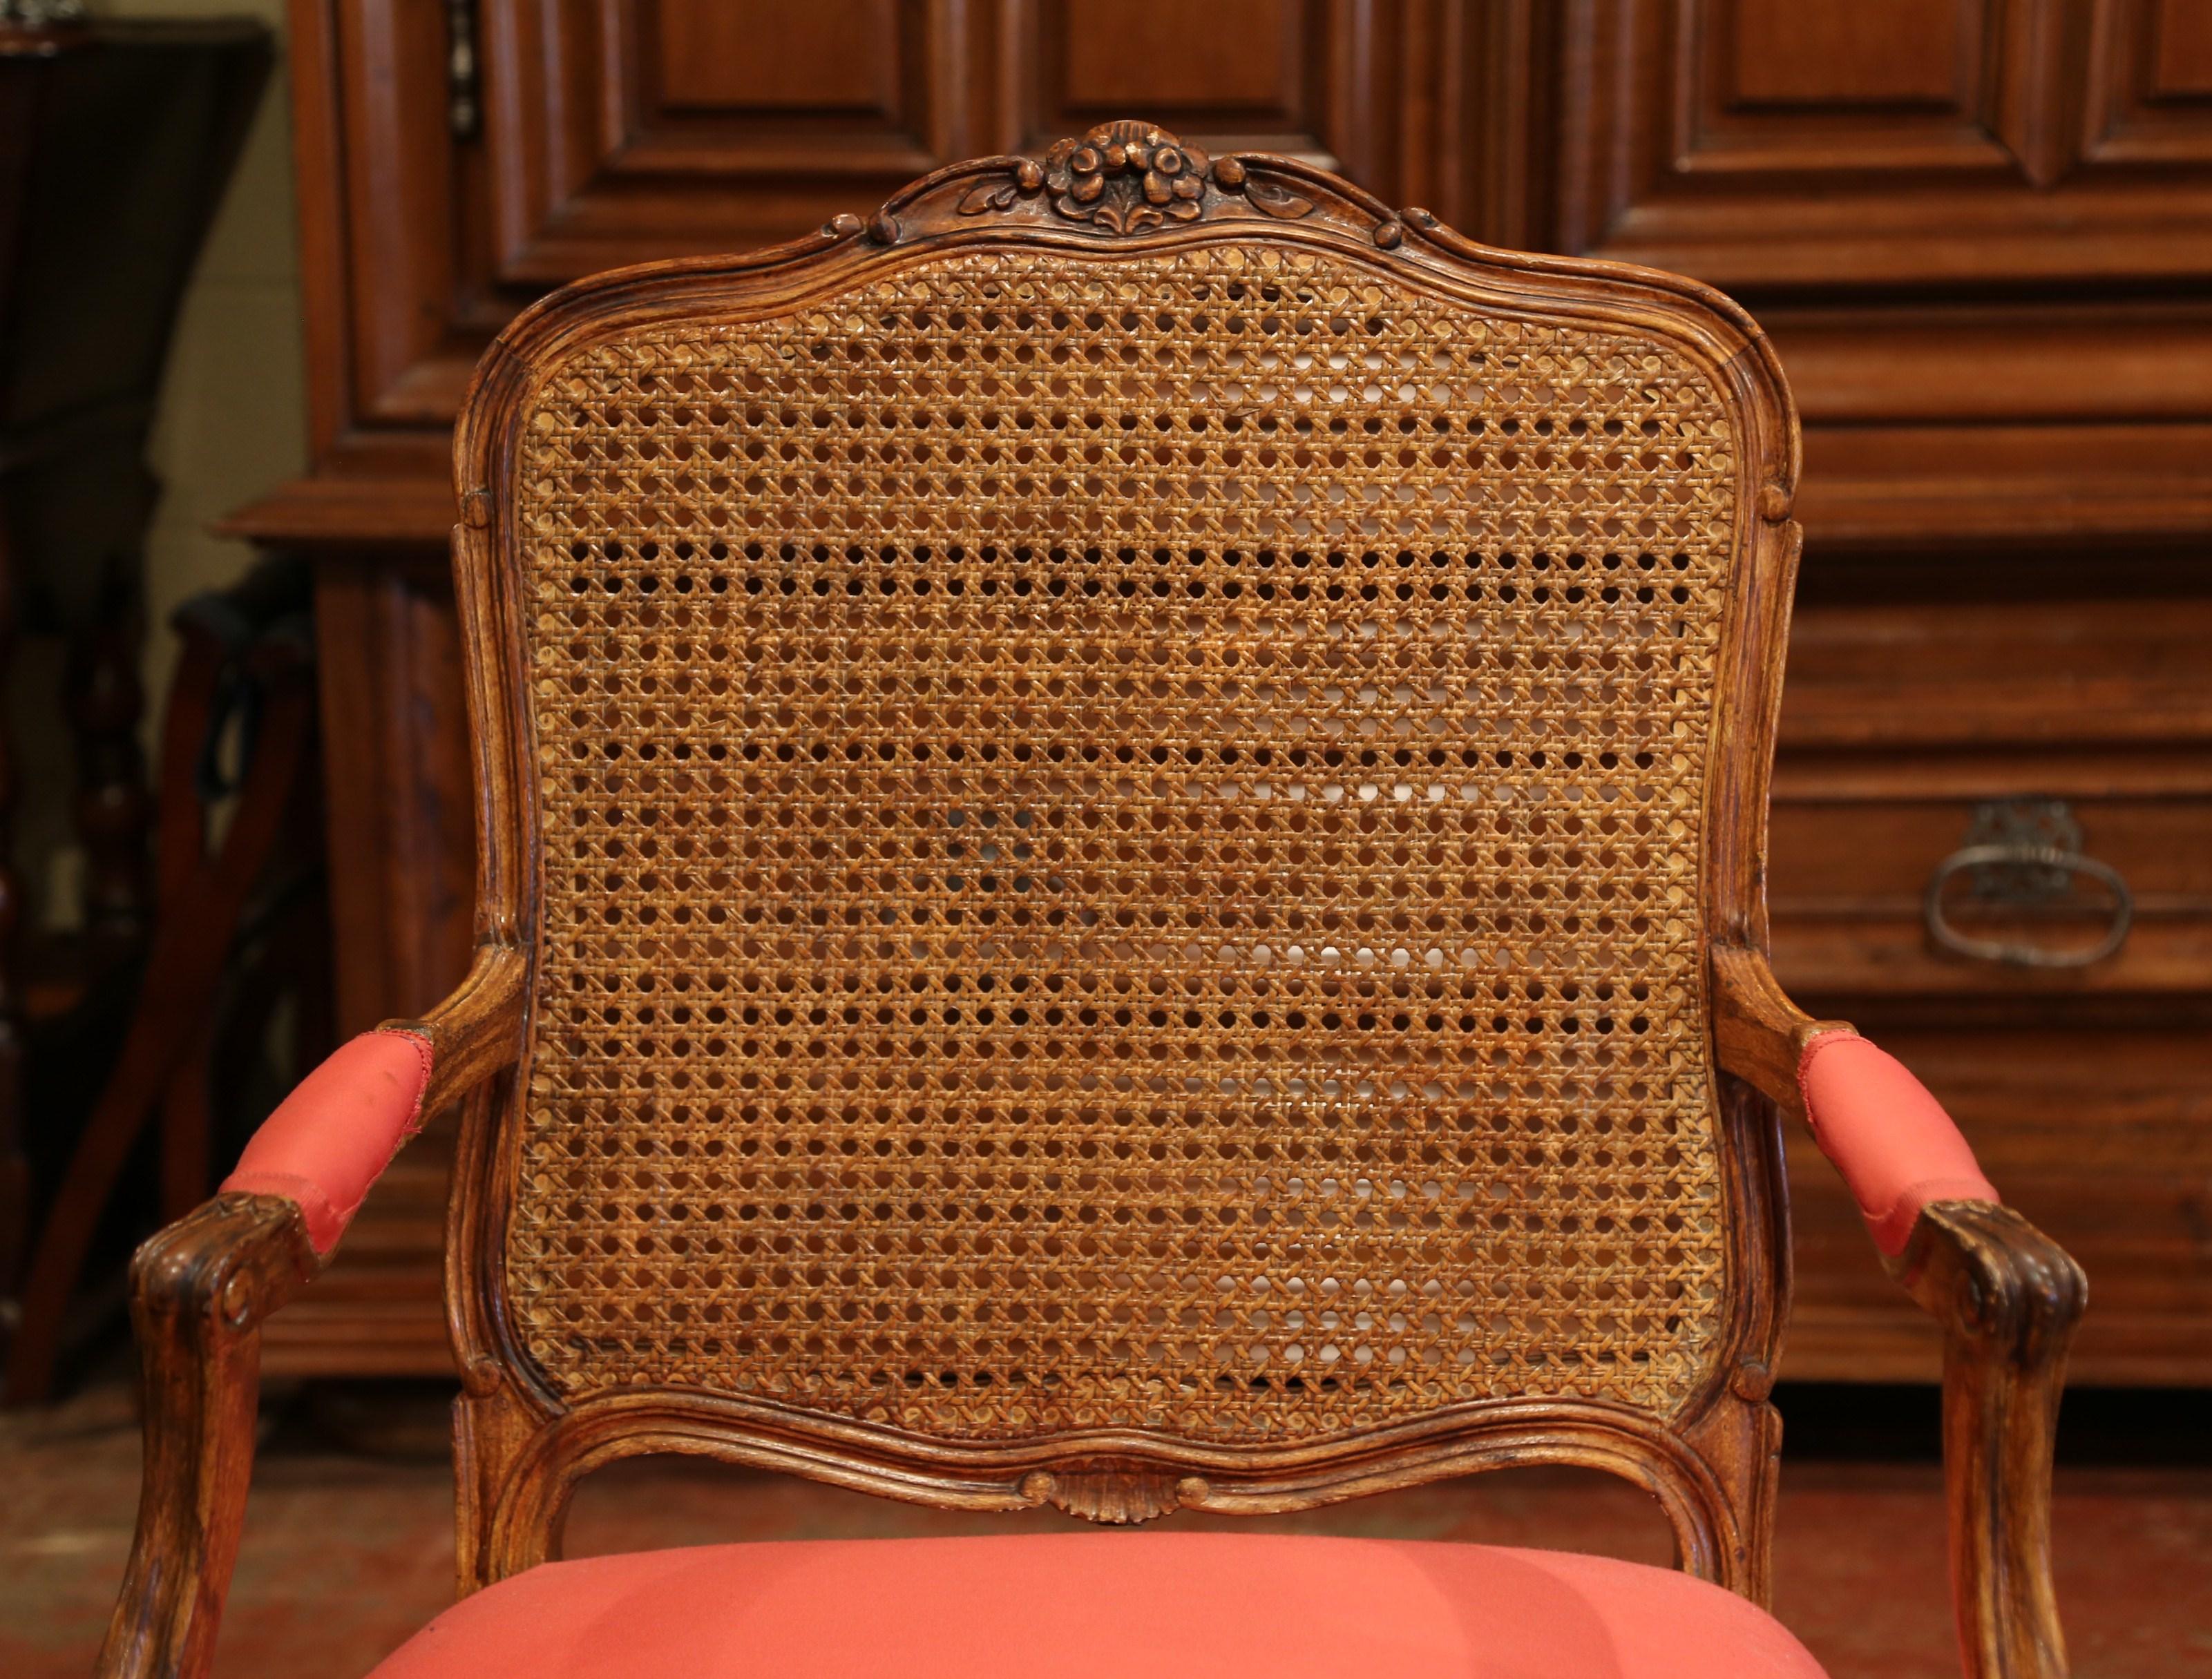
187 960
187 1125
156 1038
14 1165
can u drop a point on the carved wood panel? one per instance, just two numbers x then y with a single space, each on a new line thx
1764 143
2150 83
619 131
1285 76
1881 85
1427 102
613 131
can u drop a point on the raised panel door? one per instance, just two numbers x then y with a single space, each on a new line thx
1767 144
619 131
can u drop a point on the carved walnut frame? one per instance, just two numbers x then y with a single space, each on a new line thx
2007 1296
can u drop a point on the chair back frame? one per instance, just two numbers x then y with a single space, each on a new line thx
521 1446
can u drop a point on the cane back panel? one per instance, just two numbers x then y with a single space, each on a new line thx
1120 845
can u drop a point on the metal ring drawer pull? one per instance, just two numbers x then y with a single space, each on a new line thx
2010 952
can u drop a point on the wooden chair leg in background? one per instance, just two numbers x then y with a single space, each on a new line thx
163 1061
188 1126
14 1166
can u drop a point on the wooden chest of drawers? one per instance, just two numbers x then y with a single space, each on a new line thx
1980 237
2087 1090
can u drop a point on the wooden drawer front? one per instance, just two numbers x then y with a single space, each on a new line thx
1905 729
1848 877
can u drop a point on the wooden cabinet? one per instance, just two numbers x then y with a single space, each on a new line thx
1908 731
1979 231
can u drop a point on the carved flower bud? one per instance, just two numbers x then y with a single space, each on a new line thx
1229 173
1117 156
1029 175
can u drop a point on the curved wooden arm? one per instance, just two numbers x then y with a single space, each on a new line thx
199 1291
475 1031
1760 1035
2007 1298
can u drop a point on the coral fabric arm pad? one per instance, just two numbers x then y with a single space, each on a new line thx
1897 1148
330 1139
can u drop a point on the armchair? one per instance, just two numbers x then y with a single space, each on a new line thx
1122 821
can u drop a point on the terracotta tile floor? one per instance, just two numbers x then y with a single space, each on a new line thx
345 1552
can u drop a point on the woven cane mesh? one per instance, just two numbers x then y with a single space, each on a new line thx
1122 844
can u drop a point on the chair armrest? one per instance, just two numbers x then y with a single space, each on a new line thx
2008 1299
1891 1140
201 1289
329 1141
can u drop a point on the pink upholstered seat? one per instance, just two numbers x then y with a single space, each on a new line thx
1069 1606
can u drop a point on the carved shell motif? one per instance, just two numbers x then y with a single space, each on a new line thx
1125 177
1118 1497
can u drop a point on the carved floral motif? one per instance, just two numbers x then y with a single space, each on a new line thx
1167 176
1127 176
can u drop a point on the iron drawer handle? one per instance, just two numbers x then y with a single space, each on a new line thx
2017 856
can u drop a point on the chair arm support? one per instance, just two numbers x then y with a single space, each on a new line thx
1894 1144
199 1291
202 1288
329 1141
2007 1298
475 1031
1760 1035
